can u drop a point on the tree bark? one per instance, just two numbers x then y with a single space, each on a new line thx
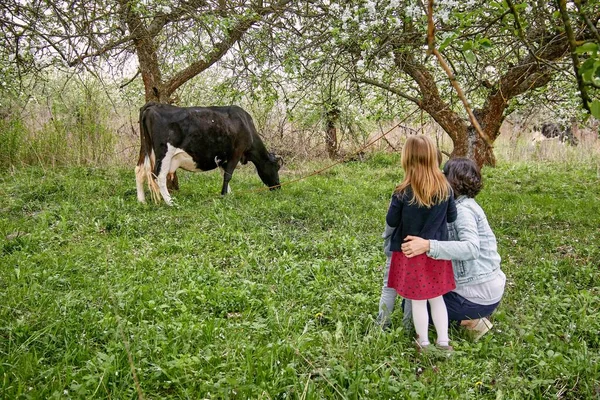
146 53
332 117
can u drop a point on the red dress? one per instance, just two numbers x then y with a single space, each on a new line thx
420 277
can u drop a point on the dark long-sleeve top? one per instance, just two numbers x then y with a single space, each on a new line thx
412 219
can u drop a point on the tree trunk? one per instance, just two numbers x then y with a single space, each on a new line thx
146 33
470 145
332 117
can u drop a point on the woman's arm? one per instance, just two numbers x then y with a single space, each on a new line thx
466 248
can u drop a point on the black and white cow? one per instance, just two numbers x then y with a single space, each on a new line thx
198 139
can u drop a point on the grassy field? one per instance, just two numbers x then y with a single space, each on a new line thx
273 295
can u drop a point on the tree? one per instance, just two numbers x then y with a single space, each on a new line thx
173 41
492 53
587 74
495 52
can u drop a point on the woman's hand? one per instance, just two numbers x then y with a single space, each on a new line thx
414 246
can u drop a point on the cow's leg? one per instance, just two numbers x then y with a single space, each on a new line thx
223 172
143 172
172 182
164 172
226 178
228 167
139 183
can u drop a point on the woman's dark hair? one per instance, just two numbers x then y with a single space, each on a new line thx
464 177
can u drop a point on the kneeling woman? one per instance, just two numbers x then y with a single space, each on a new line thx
472 247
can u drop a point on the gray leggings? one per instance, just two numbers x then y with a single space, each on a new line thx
387 301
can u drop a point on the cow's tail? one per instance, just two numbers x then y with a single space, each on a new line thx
146 160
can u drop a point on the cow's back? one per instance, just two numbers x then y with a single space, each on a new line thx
205 133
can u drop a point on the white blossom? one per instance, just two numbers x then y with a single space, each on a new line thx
490 70
443 14
346 15
371 8
413 11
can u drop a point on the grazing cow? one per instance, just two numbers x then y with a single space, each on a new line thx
198 139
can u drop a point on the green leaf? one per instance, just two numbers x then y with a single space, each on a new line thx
588 47
485 42
589 69
470 57
447 41
595 108
596 72
467 45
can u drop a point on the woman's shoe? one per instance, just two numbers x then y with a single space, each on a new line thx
481 328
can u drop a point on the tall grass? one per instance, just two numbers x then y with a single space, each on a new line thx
526 147
13 134
78 121
68 124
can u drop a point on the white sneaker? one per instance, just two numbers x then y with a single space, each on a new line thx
482 327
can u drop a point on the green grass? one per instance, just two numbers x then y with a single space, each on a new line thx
273 295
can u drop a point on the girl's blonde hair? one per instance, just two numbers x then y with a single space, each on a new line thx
422 173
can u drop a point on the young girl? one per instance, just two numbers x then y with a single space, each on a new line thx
422 205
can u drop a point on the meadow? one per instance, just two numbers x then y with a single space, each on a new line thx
273 295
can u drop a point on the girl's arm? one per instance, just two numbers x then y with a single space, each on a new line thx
394 214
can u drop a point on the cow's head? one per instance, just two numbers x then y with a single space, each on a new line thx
268 170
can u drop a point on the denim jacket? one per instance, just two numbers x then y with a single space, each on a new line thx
472 246
387 240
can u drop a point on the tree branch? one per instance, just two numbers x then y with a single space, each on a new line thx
587 21
519 28
131 80
526 75
103 50
585 98
395 91
220 48
444 65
